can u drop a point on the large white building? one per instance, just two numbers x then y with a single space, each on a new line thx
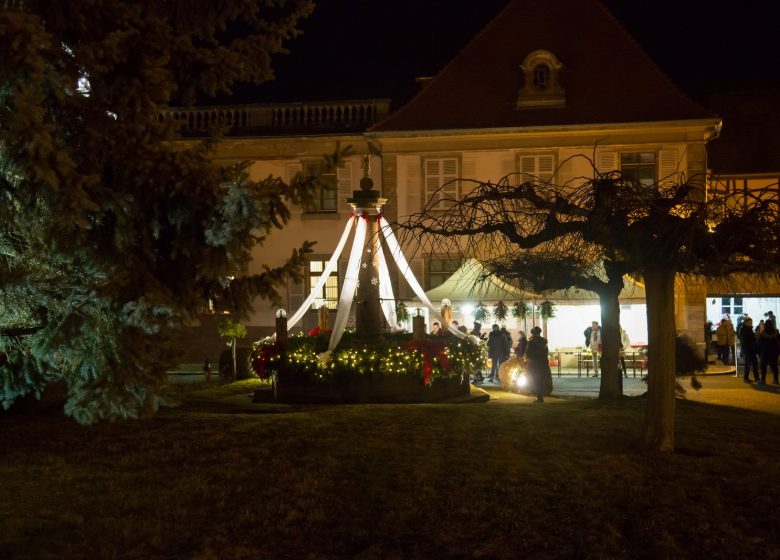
522 97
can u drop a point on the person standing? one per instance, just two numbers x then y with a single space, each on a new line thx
768 349
522 344
724 335
595 346
749 344
625 343
707 340
436 329
537 358
587 332
498 351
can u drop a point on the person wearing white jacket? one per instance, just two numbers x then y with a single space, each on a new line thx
595 346
625 343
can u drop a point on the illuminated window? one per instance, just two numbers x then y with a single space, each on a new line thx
440 269
329 294
325 194
641 166
731 306
441 183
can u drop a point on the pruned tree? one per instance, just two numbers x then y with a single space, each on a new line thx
591 234
113 233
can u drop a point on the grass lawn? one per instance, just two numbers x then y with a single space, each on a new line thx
218 477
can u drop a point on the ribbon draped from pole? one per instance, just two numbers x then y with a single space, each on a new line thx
403 266
350 285
329 268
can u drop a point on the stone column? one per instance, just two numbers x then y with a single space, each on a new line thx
367 204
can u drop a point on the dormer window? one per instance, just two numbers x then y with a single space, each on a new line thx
542 87
541 76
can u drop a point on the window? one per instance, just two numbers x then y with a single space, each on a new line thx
641 166
329 295
325 194
441 183
542 86
440 269
731 306
537 169
541 76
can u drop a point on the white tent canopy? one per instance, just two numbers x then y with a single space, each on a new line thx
472 282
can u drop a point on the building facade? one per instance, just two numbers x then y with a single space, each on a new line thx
547 91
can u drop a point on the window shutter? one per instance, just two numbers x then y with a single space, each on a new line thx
433 172
607 161
449 181
441 182
344 183
668 169
527 165
291 170
545 168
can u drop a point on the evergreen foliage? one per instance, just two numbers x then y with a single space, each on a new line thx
113 233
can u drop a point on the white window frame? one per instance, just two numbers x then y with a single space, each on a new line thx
322 298
441 182
536 167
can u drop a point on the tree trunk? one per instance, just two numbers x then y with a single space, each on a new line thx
233 347
611 386
658 431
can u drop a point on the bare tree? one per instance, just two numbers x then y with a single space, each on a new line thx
591 234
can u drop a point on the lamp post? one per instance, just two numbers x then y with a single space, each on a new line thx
367 205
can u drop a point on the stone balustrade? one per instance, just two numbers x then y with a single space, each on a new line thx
283 117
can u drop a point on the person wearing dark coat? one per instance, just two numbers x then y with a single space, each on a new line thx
749 344
522 344
538 364
498 351
587 334
768 350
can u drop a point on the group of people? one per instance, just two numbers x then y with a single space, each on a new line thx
535 351
759 347
593 341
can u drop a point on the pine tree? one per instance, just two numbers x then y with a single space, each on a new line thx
111 232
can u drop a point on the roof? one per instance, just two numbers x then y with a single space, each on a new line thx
472 282
632 292
606 75
749 142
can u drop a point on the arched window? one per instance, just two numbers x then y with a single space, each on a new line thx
542 76
542 87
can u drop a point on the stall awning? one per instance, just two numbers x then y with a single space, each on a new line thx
471 282
633 292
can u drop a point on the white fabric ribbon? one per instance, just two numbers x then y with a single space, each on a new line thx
350 284
403 266
386 293
329 268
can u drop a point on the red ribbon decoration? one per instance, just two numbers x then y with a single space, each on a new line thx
430 349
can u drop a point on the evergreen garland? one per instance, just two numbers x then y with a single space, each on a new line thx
520 310
481 312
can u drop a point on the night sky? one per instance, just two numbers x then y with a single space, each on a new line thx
355 49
